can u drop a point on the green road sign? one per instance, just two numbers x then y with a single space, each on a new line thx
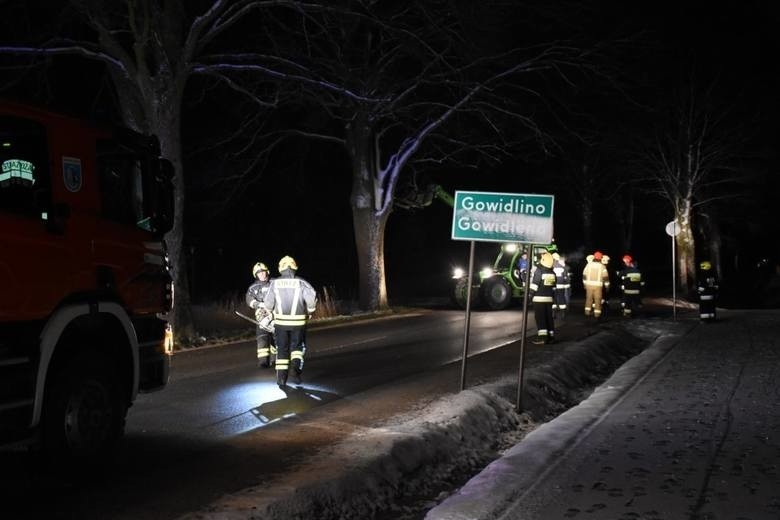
503 217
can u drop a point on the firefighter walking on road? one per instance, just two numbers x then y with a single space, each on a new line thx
255 296
707 286
542 294
292 300
631 284
595 278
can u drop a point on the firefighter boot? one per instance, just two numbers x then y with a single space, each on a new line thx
281 378
297 369
263 362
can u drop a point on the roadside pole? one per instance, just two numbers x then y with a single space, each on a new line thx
673 229
674 278
468 320
523 330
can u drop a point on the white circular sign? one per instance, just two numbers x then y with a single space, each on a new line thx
673 228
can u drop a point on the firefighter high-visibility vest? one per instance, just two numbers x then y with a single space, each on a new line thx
291 300
595 274
543 285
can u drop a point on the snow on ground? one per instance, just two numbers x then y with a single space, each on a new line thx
525 464
428 452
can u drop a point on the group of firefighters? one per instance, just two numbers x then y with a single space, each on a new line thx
550 290
282 308
284 305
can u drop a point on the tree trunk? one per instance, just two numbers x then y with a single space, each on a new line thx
368 220
167 128
370 239
586 207
686 247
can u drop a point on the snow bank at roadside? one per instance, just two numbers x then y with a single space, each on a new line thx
436 448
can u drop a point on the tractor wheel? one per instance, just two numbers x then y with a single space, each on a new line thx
496 293
460 292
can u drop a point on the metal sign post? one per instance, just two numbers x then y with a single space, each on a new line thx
468 320
523 330
673 229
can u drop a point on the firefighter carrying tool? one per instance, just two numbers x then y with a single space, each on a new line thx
266 349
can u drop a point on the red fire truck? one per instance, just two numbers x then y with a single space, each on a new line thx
84 282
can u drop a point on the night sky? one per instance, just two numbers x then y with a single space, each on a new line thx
651 48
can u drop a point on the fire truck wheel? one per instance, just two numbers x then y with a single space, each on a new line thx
84 413
496 293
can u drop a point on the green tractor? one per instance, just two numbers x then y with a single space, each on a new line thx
495 287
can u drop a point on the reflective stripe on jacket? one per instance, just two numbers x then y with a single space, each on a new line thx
595 274
631 280
256 293
543 285
291 300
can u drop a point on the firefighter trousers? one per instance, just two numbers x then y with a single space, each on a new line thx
545 326
288 344
707 307
593 296
630 304
265 347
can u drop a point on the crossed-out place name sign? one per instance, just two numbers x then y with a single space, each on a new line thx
503 217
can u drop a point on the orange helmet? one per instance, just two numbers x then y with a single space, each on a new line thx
627 259
597 256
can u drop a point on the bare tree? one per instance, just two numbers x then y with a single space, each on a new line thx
411 87
688 163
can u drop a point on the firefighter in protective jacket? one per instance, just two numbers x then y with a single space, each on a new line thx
595 278
631 284
255 296
292 300
562 286
542 293
707 285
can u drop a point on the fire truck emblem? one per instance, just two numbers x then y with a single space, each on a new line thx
71 173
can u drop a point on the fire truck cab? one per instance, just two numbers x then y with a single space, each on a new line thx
84 280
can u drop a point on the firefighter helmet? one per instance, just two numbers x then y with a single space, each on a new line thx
597 256
259 266
287 262
546 259
627 259
705 265
556 256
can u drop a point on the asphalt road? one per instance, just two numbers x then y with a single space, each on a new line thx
222 425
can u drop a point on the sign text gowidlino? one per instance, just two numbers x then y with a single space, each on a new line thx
503 217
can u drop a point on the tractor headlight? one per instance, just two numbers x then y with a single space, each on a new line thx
486 272
510 248
457 273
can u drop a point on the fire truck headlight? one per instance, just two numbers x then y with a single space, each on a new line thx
457 273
